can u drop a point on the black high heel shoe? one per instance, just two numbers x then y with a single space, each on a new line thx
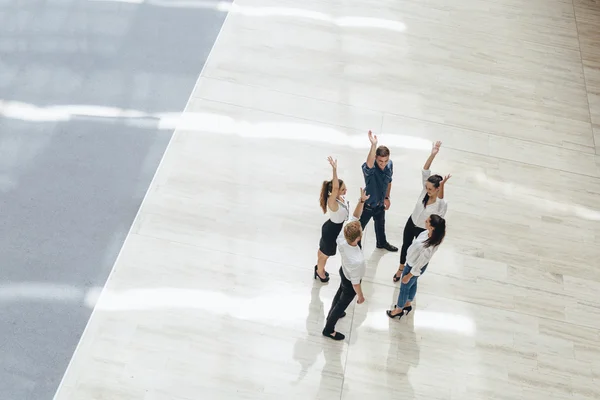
392 316
405 311
323 280
326 273
397 278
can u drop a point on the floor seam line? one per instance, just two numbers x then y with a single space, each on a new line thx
587 92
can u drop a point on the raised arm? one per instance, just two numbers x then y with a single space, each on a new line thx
443 185
435 148
335 186
361 202
372 151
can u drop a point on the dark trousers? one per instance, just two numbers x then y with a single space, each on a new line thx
410 233
378 215
341 301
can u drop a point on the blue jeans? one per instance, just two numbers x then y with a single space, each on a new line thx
408 291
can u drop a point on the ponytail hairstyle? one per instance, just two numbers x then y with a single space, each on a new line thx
326 189
439 230
435 181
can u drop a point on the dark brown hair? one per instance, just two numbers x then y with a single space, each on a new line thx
435 181
439 230
326 189
382 151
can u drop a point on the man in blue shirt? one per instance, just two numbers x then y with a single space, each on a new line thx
378 171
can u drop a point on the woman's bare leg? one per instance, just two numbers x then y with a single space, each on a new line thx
321 261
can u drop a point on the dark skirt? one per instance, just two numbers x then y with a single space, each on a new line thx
329 235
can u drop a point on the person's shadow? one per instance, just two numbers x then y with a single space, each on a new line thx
332 374
361 311
403 355
373 263
307 350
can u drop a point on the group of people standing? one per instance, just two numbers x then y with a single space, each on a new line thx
423 233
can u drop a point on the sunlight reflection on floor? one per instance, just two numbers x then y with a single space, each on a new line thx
215 123
343 22
537 198
280 307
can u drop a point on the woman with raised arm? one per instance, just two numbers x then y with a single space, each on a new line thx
431 201
333 201
420 253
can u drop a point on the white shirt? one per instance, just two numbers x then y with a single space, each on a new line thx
353 259
418 255
421 213
342 212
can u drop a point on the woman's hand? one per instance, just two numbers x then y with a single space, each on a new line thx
332 162
363 195
435 148
406 278
443 182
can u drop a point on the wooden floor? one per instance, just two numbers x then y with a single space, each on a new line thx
212 296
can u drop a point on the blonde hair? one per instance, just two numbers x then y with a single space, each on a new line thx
352 231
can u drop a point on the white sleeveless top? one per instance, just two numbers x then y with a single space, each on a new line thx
341 215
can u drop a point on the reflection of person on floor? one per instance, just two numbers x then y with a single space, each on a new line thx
306 349
332 200
431 201
332 374
351 272
404 354
378 171
419 254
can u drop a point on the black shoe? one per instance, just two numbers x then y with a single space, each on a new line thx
326 273
321 279
392 316
336 336
388 247
405 311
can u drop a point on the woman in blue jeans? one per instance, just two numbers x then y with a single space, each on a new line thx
419 254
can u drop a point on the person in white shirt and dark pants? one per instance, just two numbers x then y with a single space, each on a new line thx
351 272
431 201
418 256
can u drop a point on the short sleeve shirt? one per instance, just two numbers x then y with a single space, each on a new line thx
376 182
353 259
